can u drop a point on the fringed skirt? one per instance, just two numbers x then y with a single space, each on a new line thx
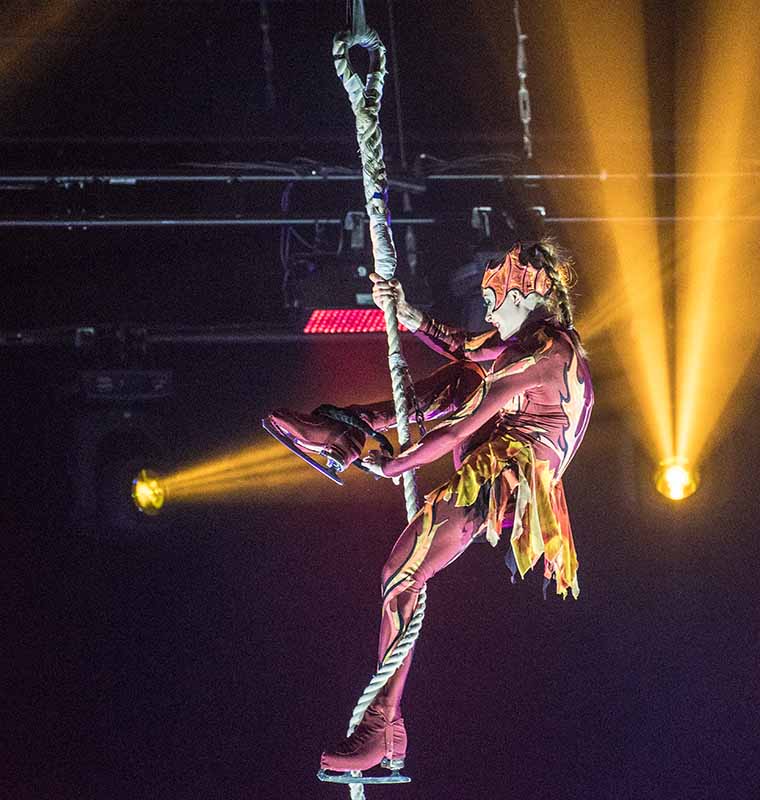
504 475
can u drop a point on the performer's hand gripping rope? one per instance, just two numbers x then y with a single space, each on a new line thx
365 102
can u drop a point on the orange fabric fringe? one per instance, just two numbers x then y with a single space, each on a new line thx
541 523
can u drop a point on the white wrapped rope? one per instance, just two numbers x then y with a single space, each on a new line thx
365 100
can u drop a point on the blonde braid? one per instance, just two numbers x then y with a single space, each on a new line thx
558 266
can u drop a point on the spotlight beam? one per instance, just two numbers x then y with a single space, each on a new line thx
264 467
615 110
718 327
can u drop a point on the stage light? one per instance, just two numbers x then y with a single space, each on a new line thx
148 492
682 376
676 479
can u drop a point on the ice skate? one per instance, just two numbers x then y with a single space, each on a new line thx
330 433
375 742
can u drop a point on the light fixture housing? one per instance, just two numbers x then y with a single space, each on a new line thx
676 478
148 493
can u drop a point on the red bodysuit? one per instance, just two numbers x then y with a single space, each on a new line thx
512 433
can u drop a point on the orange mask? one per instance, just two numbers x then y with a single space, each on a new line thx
510 274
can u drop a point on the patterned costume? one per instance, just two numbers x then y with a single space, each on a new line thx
512 437
512 428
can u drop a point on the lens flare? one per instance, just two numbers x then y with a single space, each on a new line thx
675 479
148 492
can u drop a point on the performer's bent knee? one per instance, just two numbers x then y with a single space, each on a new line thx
386 574
411 581
463 377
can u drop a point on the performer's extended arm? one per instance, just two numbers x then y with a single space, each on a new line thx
456 343
499 388
452 342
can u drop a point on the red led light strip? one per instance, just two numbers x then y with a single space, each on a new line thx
346 320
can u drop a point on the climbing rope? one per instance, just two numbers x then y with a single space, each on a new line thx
365 100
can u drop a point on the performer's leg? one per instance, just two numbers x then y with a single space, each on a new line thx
437 395
436 536
439 534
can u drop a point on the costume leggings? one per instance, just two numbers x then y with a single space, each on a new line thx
438 395
438 535
433 539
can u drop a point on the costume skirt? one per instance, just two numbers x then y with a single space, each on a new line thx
505 476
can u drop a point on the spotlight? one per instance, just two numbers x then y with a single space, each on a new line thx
148 492
675 479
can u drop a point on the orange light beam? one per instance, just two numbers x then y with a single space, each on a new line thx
718 326
608 61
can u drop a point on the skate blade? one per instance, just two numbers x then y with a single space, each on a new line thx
330 471
347 777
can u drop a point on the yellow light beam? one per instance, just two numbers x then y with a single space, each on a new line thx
608 61
608 313
264 467
285 481
174 485
296 470
718 326
266 453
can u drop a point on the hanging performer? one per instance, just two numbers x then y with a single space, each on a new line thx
512 427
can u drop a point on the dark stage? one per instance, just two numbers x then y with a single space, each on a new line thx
214 651
217 657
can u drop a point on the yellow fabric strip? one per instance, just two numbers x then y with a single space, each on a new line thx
541 522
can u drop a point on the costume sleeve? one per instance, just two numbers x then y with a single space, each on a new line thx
457 344
496 391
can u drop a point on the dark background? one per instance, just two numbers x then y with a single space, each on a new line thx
215 653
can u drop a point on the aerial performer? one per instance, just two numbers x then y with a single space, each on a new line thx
512 405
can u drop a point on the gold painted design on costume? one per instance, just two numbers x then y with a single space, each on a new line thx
572 405
474 343
421 547
520 366
405 575
541 524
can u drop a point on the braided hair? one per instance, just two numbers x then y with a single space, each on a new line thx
548 255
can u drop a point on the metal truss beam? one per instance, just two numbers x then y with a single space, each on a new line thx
178 222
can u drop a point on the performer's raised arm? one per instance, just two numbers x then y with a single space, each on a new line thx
452 342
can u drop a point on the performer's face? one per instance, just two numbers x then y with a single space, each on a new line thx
510 315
